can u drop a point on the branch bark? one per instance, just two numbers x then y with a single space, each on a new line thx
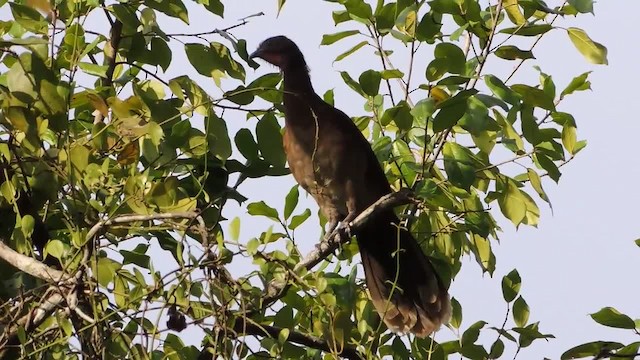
251 328
121 219
30 265
30 321
328 245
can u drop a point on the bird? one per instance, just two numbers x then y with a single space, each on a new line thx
331 159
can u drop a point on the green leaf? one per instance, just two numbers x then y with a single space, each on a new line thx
291 201
283 336
252 246
354 85
31 40
436 69
120 291
497 349
137 256
512 203
370 82
280 5
583 6
385 16
161 52
538 6
453 55
355 48
536 183
520 312
472 333
501 90
481 247
55 248
210 60
430 27
514 13
579 83
451 110
458 163
511 285
214 6
218 136
407 21
569 138
391 74
590 349
297 220
173 8
548 165
611 317
594 52
456 314
510 52
270 140
246 144
328 97
329 39
358 8
262 209
530 30
400 114
534 96
422 110
106 270
234 228
29 18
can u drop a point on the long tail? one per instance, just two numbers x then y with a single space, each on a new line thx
403 285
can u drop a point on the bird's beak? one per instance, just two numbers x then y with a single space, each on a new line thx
256 54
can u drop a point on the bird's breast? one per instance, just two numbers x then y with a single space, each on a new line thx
314 166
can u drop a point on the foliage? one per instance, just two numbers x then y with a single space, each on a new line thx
106 158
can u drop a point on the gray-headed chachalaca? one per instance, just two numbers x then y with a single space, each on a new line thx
331 159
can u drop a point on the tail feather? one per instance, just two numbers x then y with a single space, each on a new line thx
403 285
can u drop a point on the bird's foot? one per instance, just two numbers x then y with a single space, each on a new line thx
343 228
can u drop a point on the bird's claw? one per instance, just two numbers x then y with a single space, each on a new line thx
343 228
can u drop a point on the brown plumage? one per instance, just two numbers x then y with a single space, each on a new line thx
331 159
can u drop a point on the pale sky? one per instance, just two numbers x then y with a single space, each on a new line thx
579 259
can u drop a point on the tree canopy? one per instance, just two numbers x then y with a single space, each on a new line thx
115 177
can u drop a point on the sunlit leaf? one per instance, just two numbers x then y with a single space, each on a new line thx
593 51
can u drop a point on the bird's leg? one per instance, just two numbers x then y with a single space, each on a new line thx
331 226
345 224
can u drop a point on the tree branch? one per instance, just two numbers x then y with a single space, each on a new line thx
30 265
120 219
329 244
30 321
251 328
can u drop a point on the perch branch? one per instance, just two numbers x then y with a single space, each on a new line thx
30 265
329 244
251 328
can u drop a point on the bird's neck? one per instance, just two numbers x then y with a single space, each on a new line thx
297 82
299 99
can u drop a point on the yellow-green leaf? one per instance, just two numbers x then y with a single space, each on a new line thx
593 51
513 12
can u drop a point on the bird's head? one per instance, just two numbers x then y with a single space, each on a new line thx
281 52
